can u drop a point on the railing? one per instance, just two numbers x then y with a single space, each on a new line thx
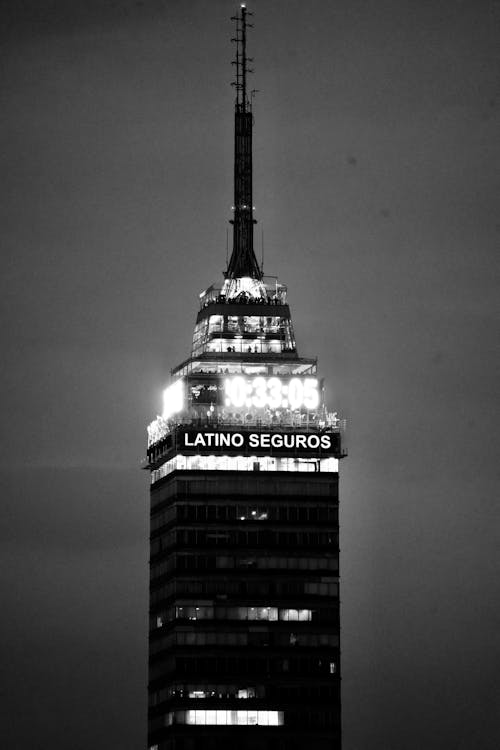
217 364
250 345
275 295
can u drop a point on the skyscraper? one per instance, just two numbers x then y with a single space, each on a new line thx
244 571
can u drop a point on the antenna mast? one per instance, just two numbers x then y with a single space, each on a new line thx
243 262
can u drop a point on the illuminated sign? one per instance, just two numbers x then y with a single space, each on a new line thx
200 441
271 392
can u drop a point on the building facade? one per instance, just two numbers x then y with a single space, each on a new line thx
244 570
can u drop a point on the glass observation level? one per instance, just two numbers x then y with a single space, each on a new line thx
233 320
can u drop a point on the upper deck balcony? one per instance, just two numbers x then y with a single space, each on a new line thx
266 298
236 363
254 319
234 291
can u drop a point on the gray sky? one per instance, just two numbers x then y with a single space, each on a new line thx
376 184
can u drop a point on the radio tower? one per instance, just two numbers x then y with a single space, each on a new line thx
243 262
244 635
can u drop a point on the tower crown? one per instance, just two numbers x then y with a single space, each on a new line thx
244 368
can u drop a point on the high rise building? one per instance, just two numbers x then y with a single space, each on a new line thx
244 592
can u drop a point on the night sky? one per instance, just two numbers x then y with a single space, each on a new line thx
376 186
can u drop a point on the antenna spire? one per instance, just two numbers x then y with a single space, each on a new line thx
243 262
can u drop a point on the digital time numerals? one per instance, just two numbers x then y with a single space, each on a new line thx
272 392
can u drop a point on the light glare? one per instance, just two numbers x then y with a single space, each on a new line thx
173 399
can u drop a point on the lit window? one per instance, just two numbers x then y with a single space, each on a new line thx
262 613
292 615
246 692
228 717
241 463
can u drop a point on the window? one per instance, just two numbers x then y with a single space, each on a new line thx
291 615
259 613
222 717
249 537
200 691
241 463
247 693
252 485
321 589
192 612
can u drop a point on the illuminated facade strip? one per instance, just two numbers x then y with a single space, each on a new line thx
230 717
209 612
243 463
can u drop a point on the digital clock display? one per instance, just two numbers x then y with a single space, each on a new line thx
271 392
